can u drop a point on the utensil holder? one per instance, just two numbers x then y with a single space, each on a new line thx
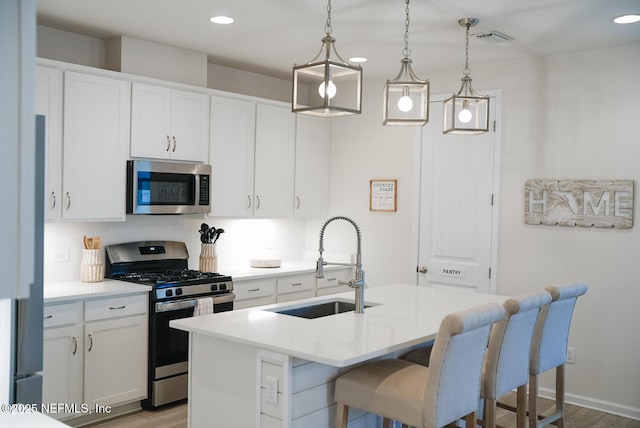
92 266
208 258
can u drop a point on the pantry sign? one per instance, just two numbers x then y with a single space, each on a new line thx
587 203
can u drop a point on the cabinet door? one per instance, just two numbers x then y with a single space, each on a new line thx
312 166
150 121
189 126
274 161
115 360
49 104
96 145
231 157
62 357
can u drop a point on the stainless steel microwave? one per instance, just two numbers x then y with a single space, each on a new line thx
167 187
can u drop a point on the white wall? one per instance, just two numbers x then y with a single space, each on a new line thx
565 117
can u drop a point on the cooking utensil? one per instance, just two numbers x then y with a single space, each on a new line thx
218 233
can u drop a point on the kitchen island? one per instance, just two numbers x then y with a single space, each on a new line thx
259 368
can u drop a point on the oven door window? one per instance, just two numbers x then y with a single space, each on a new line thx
171 345
160 188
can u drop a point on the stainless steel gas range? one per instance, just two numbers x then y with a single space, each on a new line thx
176 291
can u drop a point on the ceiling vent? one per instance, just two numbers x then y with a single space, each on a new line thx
494 37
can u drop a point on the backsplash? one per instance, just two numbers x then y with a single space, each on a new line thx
243 239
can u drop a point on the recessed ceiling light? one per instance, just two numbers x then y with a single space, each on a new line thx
627 19
358 59
221 19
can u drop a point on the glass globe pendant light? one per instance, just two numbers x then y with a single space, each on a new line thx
466 112
406 98
327 85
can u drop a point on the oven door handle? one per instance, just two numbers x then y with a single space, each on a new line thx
184 304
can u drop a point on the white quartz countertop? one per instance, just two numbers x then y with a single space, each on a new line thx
246 273
28 419
402 315
74 290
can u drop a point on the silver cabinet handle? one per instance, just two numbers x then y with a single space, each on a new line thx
115 308
258 202
298 202
48 317
75 345
296 284
90 342
331 279
249 199
174 144
52 200
253 290
422 269
68 200
168 143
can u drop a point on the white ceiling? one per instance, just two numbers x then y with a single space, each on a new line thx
270 36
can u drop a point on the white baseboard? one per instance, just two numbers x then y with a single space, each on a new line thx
595 404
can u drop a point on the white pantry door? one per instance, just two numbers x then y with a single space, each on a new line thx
459 177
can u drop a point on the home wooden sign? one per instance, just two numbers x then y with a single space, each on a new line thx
589 203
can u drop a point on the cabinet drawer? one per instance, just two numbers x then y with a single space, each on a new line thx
252 303
65 314
295 283
331 278
115 307
290 297
253 289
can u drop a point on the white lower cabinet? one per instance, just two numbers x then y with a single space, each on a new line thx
254 293
95 352
62 358
330 284
295 287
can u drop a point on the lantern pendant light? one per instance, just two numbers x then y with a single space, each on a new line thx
327 85
406 98
466 112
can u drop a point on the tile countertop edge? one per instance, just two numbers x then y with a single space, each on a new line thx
55 292
323 339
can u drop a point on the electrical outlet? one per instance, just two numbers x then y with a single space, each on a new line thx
60 255
571 355
272 390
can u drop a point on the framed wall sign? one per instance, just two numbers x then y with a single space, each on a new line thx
382 195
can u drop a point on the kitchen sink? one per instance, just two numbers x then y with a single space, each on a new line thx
319 310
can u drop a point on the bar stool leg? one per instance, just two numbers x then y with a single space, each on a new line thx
342 416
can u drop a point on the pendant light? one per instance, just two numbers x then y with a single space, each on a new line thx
406 98
327 85
466 112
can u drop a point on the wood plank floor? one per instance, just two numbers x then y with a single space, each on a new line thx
176 417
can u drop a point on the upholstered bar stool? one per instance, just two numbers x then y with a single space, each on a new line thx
506 364
420 396
549 349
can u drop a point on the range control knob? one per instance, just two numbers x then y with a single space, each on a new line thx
223 286
168 293
214 287
178 291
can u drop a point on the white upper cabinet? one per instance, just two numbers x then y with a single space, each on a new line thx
231 157
252 159
312 166
274 161
169 123
95 147
49 104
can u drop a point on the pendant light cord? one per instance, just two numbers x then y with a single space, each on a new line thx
466 70
406 51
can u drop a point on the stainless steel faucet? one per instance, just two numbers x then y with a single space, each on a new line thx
358 282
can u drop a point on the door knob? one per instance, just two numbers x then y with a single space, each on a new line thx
422 269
